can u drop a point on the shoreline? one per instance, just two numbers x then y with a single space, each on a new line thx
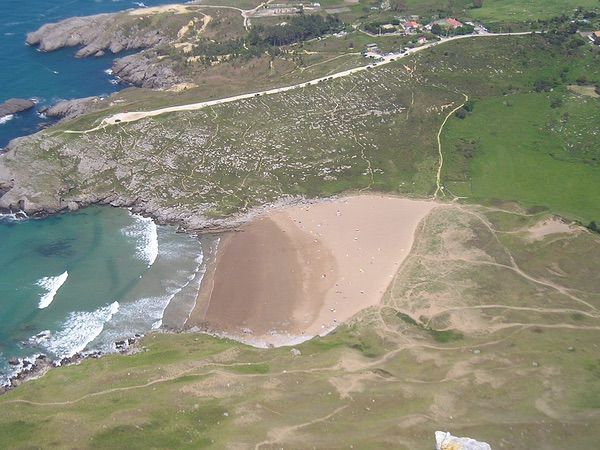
36 366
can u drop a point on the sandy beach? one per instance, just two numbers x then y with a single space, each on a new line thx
298 272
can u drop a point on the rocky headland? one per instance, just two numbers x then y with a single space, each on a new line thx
95 35
115 33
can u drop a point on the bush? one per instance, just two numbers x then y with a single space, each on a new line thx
461 113
543 85
556 102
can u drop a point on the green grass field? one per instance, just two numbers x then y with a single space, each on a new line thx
500 11
518 148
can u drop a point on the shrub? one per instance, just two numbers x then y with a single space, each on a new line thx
461 113
556 102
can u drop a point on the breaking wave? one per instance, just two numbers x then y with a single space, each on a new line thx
51 285
145 233
76 332
6 118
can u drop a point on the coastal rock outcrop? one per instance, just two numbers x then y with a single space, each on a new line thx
445 441
140 70
116 32
69 109
95 34
15 105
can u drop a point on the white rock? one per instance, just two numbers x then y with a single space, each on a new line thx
445 441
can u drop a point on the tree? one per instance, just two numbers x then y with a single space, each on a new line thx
477 3
436 29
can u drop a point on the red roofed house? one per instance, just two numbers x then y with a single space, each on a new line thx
446 24
453 23
410 27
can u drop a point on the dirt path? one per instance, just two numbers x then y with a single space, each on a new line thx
280 433
439 171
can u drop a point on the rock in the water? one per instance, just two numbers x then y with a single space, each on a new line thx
15 105
445 441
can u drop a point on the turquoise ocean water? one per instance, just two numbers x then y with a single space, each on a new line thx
82 281
78 281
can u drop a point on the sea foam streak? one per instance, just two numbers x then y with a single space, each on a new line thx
6 118
145 232
51 285
78 330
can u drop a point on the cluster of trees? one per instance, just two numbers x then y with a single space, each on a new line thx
298 28
261 39
463 112
377 27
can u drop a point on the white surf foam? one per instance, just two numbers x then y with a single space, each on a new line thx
77 331
6 118
51 285
145 232
108 72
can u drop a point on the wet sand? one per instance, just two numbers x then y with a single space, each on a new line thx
300 271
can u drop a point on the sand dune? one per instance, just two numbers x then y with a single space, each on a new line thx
300 271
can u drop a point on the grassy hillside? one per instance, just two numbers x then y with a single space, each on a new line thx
373 130
484 331
520 148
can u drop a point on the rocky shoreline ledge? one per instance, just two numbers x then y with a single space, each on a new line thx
38 365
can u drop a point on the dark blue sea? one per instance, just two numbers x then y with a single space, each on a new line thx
48 77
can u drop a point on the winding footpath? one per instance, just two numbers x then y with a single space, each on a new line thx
438 178
134 116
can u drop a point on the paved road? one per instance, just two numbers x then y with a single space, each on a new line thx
133 116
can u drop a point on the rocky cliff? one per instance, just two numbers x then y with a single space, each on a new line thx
143 70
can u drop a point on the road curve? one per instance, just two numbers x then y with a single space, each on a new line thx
133 116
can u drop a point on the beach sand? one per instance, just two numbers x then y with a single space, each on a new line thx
300 271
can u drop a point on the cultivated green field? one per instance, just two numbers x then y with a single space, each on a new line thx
519 148
499 11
